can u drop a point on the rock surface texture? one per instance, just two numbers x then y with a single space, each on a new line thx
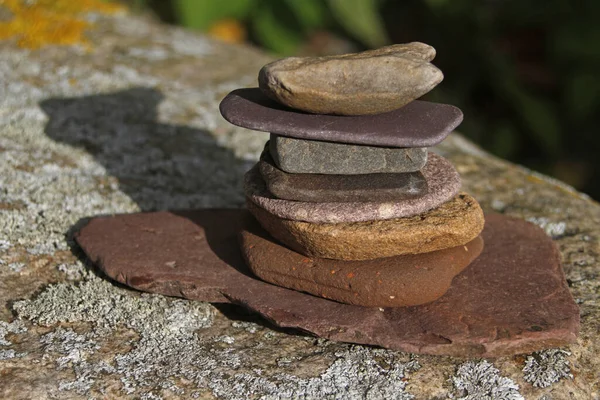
454 223
473 318
298 156
371 82
404 127
340 188
443 183
129 121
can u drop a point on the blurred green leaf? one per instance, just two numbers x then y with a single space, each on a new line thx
276 28
436 4
201 14
538 115
577 41
504 139
361 19
311 14
582 95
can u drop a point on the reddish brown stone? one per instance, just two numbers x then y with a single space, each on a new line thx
512 299
384 282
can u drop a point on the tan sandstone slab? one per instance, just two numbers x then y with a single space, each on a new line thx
512 299
454 223
443 183
370 82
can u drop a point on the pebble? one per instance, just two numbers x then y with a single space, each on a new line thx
454 223
386 282
340 188
371 82
298 156
443 183
418 124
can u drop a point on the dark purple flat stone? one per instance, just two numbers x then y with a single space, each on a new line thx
512 299
417 124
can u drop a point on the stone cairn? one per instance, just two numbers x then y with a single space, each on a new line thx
347 182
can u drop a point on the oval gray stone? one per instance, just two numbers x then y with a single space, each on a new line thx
442 180
299 156
370 82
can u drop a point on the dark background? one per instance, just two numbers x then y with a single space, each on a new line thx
525 73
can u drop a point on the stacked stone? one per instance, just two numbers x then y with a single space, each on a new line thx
366 214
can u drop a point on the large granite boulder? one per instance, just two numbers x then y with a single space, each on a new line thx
127 120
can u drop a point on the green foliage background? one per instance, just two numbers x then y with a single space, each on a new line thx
525 73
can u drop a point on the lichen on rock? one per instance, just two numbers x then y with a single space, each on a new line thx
482 381
169 349
544 368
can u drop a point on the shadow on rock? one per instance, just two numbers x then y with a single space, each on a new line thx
159 166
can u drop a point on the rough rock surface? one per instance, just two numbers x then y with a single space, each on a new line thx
443 183
340 188
404 127
385 282
103 148
497 306
298 156
370 82
454 223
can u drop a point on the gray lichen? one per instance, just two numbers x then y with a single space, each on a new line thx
15 327
73 350
12 327
553 229
356 373
482 381
547 367
169 349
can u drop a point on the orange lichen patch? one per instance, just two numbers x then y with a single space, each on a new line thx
51 22
228 30
350 275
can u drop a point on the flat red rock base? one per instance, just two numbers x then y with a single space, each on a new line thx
513 299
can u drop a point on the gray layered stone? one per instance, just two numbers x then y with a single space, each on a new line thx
443 183
298 156
340 188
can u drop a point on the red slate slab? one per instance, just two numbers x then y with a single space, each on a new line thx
512 299
417 124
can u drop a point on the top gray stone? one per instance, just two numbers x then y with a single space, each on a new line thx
370 82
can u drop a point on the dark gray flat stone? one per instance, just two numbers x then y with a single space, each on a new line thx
512 299
340 188
300 156
417 124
